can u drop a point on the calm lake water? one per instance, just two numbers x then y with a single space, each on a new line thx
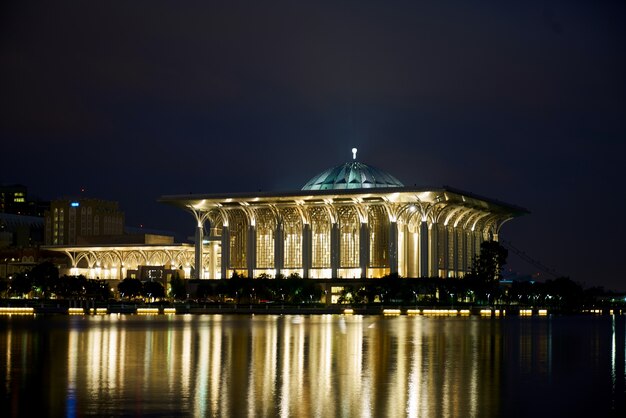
312 366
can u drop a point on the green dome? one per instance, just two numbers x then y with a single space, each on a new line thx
352 175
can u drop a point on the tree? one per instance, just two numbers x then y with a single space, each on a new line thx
70 286
487 267
44 277
97 289
20 284
130 288
177 288
153 290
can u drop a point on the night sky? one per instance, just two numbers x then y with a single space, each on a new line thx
523 102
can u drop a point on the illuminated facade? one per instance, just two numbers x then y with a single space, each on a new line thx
116 262
351 221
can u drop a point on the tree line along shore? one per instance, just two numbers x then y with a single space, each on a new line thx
481 288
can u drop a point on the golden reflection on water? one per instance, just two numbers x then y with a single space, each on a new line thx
266 366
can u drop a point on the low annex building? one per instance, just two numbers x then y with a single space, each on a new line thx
350 221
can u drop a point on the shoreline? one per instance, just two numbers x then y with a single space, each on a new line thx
30 307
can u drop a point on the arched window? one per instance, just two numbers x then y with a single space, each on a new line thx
379 236
349 228
320 237
292 233
265 228
238 223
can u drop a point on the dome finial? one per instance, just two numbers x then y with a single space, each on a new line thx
354 153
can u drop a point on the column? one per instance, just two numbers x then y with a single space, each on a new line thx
403 250
464 251
423 268
393 248
213 260
434 251
446 251
278 248
364 249
198 267
251 251
307 244
335 257
455 248
225 251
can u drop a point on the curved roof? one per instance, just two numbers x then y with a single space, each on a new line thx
352 175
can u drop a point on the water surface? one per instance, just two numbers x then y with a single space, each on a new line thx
312 366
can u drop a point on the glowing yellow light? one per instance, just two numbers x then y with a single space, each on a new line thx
413 312
76 311
348 311
169 311
391 311
147 311
485 312
440 312
543 312
17 311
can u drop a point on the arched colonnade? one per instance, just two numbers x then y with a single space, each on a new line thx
345 236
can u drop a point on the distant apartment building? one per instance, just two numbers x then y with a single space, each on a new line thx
20 231
70 220
14 200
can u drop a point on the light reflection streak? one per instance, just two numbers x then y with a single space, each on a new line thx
446 386
185 358
147 358
112 355
283 408
202 373
298 359
72 359
473 381
412 404
9 363
320 364
398 369
216 361
613 352
94 344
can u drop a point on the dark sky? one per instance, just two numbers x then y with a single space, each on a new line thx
523 102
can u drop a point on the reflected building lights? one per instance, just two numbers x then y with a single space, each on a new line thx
185 362
9 363
414 403
474 378
613 352
202 373
285 366
334 365
216 362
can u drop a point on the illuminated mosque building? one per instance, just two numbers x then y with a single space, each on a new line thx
350 221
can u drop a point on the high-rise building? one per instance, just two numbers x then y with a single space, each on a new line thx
13 199
69 219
